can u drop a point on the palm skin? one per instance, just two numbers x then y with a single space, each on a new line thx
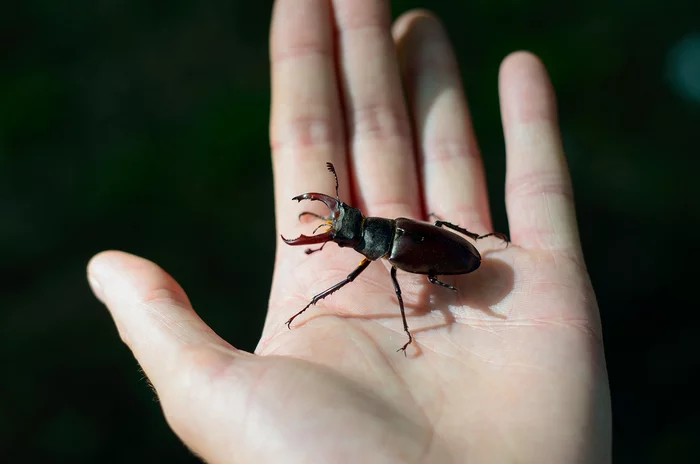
499 372
509 368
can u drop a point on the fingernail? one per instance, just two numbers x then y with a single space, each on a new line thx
96 287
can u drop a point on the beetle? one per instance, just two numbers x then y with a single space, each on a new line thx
412 246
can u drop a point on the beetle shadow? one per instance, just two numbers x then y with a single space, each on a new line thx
480 290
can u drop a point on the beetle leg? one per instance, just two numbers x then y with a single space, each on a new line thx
308 251
363 265
471 235
397 289
325 224
433 280
454 227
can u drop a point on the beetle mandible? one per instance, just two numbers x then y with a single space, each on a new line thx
412 246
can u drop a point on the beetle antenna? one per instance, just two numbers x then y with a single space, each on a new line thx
332 169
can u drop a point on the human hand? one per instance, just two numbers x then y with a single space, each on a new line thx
509 368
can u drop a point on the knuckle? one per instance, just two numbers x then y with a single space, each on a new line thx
165 295
304 132
380 122
538 184
446 151
301 49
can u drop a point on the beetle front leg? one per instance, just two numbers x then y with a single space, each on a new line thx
397 289
363 265
471 235
308 251
433 280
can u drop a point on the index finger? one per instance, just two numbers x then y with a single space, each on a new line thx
306 127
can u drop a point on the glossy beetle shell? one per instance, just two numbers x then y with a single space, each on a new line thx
422 248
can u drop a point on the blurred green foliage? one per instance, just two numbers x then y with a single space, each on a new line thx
142 126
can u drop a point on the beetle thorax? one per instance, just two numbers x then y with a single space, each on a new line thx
377 237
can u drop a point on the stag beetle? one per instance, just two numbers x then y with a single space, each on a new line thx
412 246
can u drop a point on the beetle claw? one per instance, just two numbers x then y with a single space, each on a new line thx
403 348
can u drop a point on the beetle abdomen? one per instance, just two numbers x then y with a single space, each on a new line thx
422 248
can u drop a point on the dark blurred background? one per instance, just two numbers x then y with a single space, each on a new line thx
142 126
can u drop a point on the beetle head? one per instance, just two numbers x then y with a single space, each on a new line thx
345 223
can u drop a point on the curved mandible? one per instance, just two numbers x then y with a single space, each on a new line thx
332 203
334 207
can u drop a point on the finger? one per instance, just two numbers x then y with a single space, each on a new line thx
539 196
379 131
184 359
306 128
452 170
152 313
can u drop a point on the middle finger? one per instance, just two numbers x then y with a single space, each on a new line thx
379 131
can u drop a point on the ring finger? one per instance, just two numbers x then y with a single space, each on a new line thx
451 167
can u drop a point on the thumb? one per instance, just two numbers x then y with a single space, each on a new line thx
179 353
152 312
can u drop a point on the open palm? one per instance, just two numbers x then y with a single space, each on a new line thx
509 368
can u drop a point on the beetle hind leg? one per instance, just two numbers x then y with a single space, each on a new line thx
397 289
471 235
433 280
